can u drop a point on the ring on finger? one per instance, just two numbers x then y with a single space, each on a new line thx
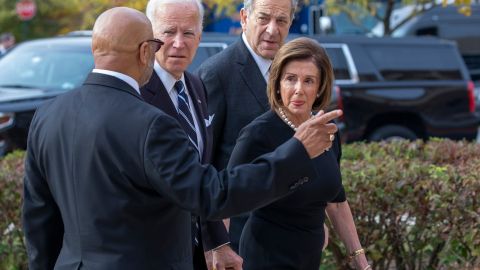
332 137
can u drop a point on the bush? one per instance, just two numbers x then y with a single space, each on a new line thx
416 205
12 248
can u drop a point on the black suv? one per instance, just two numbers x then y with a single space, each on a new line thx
402 88
39 70
448 23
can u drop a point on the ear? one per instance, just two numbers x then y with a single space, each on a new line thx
243 19
144 53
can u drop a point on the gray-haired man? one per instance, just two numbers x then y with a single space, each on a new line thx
237 97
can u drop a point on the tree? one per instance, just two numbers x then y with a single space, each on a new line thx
382 11
56 17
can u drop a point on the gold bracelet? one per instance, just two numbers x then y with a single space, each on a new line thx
367 267
355 253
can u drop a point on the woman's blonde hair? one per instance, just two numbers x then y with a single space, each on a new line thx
301 49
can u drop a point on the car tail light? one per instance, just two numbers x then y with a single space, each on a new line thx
339 100
6 120
471 96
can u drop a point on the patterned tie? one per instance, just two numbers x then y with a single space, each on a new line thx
185 115
186 120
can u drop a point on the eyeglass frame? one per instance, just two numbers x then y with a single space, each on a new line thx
156 40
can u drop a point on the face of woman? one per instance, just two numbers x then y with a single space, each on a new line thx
298 88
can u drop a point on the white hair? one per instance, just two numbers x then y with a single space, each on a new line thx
153 5
248 6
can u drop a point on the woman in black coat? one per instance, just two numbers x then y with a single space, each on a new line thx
289 233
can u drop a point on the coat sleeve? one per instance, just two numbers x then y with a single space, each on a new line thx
173 169
214 234
252 142
42 222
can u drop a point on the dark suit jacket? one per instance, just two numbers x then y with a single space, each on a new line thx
237 94
111 182
214 233
287 234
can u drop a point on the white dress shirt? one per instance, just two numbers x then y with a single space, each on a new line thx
262 63
121 76
169 82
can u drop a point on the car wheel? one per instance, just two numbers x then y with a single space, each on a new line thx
392 133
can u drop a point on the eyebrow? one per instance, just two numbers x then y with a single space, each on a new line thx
264 14
308 75
282 16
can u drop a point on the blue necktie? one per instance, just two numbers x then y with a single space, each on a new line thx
184 114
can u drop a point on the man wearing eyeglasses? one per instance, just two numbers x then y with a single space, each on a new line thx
236 80
182 95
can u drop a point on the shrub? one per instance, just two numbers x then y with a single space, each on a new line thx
416 205
12 248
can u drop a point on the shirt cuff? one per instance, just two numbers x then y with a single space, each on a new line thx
215 249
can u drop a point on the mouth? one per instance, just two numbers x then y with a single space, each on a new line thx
177 56
271 42
297 103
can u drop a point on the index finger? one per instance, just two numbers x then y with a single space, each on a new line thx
327 117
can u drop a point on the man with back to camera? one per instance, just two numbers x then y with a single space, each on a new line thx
234 100
179 25
111 181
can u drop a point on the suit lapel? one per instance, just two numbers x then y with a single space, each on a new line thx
154 92
252 76
197 104
198 107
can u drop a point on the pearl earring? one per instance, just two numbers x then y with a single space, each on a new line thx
278 92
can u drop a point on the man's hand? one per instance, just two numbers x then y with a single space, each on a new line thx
317 134
224 258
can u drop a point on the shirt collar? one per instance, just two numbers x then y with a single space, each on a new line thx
129 80
262 63
167 79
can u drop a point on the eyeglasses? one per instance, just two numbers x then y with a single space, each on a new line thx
158 43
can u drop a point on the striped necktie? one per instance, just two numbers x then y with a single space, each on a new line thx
185 116
186 120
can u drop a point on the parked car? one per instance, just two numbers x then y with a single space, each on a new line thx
407 88
448 23
35 71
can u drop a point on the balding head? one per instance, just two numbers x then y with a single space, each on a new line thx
118 34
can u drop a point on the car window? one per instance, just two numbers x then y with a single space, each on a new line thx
344 67
339 63
44 67
397 63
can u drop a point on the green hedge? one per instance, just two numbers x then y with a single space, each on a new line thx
12 248
416 205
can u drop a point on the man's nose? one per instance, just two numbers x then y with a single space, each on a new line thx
272 27
178 41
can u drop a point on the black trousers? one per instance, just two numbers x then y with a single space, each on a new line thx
199 262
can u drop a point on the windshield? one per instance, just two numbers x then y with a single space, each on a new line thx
59 67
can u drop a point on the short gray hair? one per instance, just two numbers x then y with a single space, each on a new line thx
153 5
248 6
